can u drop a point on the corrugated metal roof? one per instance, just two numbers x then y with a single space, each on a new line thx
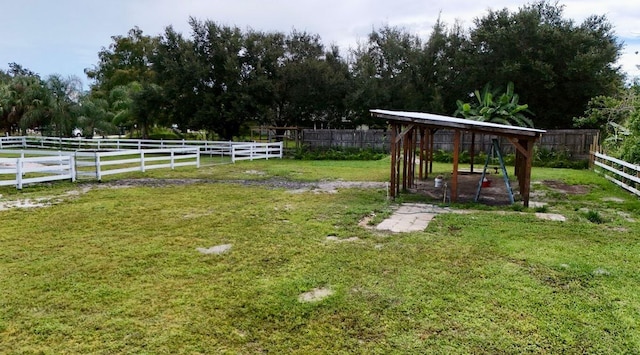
439 121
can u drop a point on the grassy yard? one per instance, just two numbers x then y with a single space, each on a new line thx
116 270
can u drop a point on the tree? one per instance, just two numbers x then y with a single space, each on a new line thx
556 65
121 104
127 59
221 97
94 115
23 96
58 108
615 116
178 73
146 105
386 73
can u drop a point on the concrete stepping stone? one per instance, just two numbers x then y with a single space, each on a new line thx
217 250
551 217
410 217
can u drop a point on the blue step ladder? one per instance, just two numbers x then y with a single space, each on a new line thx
495 148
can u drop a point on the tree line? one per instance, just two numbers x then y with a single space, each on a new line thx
222 79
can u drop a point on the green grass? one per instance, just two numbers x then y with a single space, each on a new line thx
117 271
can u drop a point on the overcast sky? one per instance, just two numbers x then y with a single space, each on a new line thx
64 36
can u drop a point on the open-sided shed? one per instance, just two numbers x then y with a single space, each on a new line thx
406 127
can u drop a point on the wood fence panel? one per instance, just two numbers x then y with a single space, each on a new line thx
575 142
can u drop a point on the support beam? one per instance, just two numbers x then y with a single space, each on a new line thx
525 189
421 174
432 133
392 186
456 156
518 144
404 132
472 150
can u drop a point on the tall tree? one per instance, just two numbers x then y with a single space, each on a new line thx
127 59
556 65
220 90
386 73
178 73
94 115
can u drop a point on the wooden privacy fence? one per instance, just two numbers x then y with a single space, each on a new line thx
575 142
345 138
31 170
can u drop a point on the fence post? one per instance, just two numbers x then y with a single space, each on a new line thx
19 173
72 168
198 158
233 154
281 150
98 172
171 163
142 160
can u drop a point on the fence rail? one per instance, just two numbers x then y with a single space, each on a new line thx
36 169
98 164
211 148
256 151
96 158
623 174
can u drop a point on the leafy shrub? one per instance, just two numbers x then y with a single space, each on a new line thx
550 158
594 217
338 154
164 133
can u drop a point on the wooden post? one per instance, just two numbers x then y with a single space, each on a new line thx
456 156
472 150
432 133
392 187
421 150
404 162
398 152
526 176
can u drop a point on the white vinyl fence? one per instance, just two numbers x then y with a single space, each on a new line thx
625 175
99 164
251 151
77 158
244 151
21 171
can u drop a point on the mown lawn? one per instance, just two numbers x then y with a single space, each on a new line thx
116 270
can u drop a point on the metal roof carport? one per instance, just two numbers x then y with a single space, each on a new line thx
407 126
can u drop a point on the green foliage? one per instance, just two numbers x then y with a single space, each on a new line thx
618 118
220 78
594 217
339 154
504 110
164 133
542 158
556 64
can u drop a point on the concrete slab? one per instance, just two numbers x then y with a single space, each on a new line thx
551 217
411 217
